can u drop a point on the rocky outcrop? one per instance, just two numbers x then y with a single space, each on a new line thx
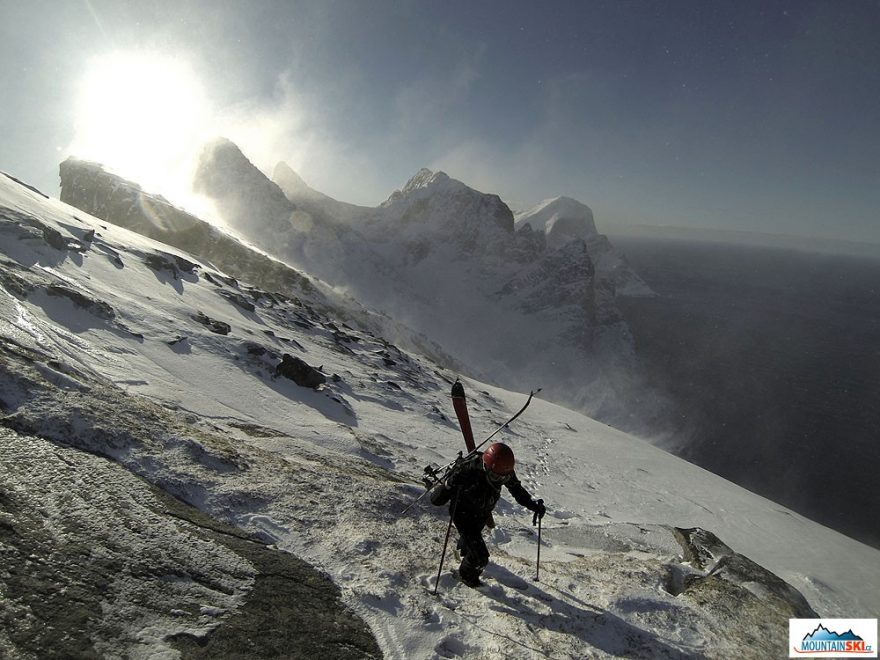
718 562
561 220
97 307
89 187
560 278
613 268
300 372
215 326
258 210
31 228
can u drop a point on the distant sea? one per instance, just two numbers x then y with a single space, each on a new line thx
772 359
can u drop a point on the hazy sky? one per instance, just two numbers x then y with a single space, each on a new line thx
746 115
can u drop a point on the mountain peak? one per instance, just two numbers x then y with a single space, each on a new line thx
449 204
562 219
425 178
240 190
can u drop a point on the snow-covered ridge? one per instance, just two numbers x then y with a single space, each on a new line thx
158 361
313 201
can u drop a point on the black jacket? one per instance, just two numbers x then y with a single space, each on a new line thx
474 496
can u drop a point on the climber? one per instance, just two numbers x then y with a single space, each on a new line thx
473 488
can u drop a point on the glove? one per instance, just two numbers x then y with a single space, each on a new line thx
539 508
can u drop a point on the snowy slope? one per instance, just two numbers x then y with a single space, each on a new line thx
131 358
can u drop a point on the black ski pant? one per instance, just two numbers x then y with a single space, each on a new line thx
474 553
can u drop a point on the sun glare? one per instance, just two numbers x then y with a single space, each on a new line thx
143 116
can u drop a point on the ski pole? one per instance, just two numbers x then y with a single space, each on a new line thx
505 425
445 543
538 518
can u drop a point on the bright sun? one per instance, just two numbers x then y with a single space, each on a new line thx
143 116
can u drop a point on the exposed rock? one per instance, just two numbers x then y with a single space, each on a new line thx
530 244
218 327
300 372
238 300
92 556
54 239
560 278
160 262
97 307
707 552
15 284
436 206
613 267
31 227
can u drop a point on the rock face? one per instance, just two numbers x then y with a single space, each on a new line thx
561 278
94 556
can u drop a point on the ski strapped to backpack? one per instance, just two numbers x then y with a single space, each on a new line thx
459 402
433 475
492 435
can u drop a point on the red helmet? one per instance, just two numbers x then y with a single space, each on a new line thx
498 459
